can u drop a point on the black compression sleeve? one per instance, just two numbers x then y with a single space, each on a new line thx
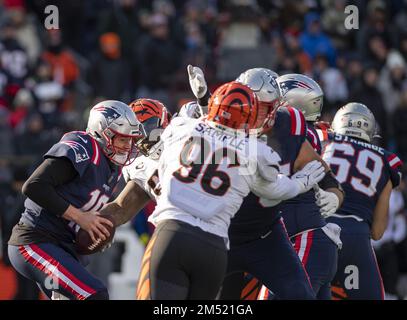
329 181
204 101
40 186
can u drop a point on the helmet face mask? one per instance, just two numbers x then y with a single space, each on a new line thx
116 154
303 93
355 120
155 118
113 119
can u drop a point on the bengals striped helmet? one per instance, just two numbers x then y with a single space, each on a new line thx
154 117
235 105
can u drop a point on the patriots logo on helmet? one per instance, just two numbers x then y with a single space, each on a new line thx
110 113
292 84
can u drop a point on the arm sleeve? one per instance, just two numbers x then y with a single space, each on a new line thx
204 101
40 186
282 188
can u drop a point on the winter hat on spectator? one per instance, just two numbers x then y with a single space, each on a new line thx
395 60
110 45
23 98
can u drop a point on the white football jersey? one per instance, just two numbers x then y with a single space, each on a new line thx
205 172
143 171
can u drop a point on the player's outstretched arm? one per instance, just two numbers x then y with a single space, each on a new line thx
381 213
198 85
284 188
129 202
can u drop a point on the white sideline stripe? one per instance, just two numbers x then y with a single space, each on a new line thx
58 274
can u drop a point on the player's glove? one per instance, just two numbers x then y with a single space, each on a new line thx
191 110
197 81
327 201
311 174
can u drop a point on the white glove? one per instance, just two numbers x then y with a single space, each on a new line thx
327 201
191 110
197 81
311 174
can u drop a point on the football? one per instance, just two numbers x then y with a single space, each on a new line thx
85 245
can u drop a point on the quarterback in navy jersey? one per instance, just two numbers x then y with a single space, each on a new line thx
65 192
368 173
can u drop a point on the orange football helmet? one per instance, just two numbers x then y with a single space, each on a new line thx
235 105
154 117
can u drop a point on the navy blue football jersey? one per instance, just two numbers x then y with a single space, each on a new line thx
287 136
363 169
300 213
88 191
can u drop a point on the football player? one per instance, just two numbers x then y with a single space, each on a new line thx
257 230
205 170
141 177
64 193
315 240
367 173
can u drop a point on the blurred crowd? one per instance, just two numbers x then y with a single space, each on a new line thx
126 49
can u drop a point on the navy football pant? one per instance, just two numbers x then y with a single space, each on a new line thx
358 275
54 269
273 261
319 255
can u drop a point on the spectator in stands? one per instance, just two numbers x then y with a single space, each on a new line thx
399 120
48 94
22 104
110 74
64 67
314 41
26 32
369 95
375 25
122 19
392 78
159 60
13 57
333 83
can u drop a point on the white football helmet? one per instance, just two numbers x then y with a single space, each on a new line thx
109 119
355 120
303 93
263 83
